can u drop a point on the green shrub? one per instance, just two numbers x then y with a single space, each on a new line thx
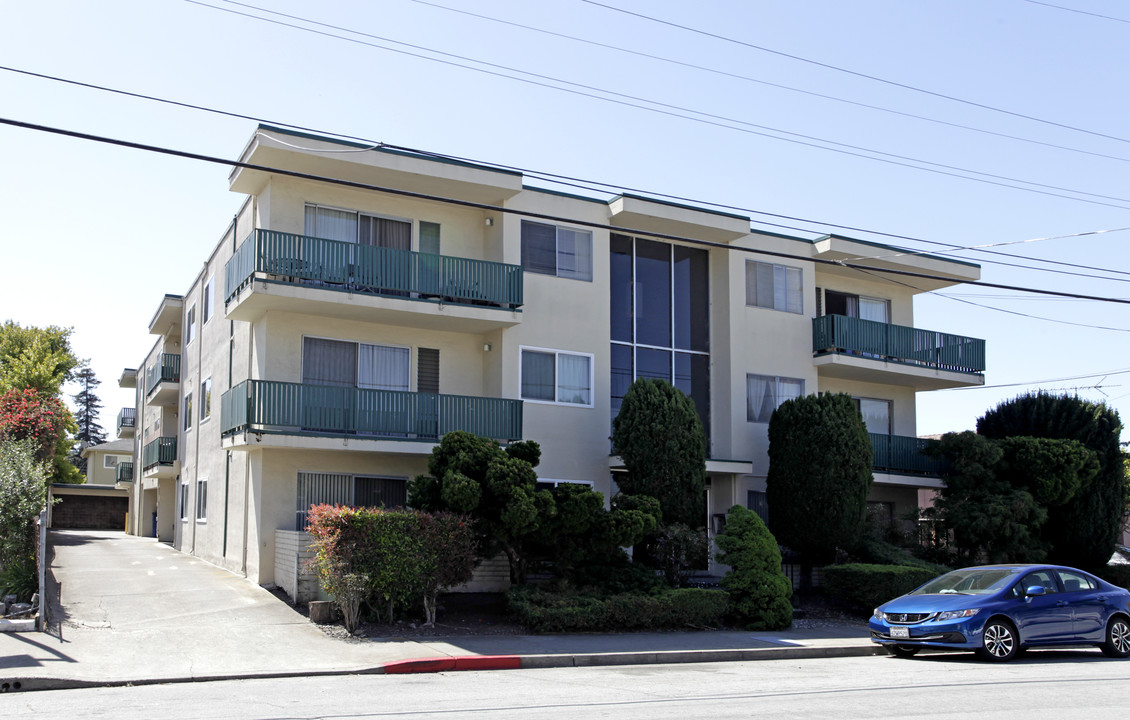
616 574
759 592
545 612
1117 574
20 578
865 587
880 552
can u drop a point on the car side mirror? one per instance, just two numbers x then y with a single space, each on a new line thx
1036 590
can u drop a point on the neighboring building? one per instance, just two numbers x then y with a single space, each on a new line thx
101 503
334 333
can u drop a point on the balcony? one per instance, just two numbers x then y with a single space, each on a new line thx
159 458
127 420
162 381
901 455
296 273
870 351
125 472
297 415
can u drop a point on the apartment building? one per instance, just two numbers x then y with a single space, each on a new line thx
338 329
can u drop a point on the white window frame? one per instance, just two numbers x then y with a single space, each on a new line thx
789 270
111 461
556 374
777 390
208 300
183 500
206 398
186 410
190 330
554 482
557 250
202 500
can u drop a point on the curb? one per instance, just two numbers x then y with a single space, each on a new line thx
472 662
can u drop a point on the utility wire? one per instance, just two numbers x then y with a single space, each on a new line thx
747 78
1102 375
1074 10
593 185
544 216
676 110
854 73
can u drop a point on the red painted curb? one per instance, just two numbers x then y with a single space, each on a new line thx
442 664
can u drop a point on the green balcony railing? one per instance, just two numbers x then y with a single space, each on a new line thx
127 418
838 334
125 472
167 369
298 409
161 451
350 267
903 456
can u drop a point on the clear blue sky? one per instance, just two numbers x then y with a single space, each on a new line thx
94 235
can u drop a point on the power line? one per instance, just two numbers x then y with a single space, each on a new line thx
593 185
1103 375
676 110
525 213
1081 12
853 72
747 78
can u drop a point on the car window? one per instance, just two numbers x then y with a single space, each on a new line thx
1076 582
971 581
1042 578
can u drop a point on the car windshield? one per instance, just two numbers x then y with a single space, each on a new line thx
972 581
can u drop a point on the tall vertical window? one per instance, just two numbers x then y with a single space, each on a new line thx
187 411
206 398
777 287
553 376
201 500
553 250
184 500
190 325
659 308
876 414
765 393
209 291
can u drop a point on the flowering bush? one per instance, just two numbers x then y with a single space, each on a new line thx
27 414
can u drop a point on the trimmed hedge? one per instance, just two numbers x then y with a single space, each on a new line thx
544 612
867 586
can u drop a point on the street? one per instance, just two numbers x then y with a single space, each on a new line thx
1040 684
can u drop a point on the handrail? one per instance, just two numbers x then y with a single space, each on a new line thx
839 334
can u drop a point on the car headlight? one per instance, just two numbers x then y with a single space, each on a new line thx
955 614
877 614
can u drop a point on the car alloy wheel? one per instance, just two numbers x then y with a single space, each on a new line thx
998 641
1117 638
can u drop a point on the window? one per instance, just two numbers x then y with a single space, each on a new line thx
201 500
876 414
552 376
777 287
188 411
1076 582
765 393
190 330
354 227
856 306
552 250
184 500
341 363
111 461
758 502
209 288
548 484
206 399
353 490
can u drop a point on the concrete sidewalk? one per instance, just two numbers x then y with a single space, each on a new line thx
129 610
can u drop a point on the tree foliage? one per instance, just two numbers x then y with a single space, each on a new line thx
37 358
759 591
660 438
87 407
23 494
1083 530
819 475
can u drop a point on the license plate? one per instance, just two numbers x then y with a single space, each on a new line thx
900 632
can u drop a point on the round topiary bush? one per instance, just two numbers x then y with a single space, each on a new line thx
759 591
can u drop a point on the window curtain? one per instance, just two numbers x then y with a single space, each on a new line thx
876 415
537 375
331 224
794 294
574 384
759 398
788 389
574 254
382 232
329 362
872 309
763 285
380 367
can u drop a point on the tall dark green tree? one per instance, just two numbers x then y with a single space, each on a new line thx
660 438
1085 529
87 407
819 475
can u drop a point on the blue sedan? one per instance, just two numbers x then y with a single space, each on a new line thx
998 610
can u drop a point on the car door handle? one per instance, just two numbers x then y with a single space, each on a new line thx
1061 603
